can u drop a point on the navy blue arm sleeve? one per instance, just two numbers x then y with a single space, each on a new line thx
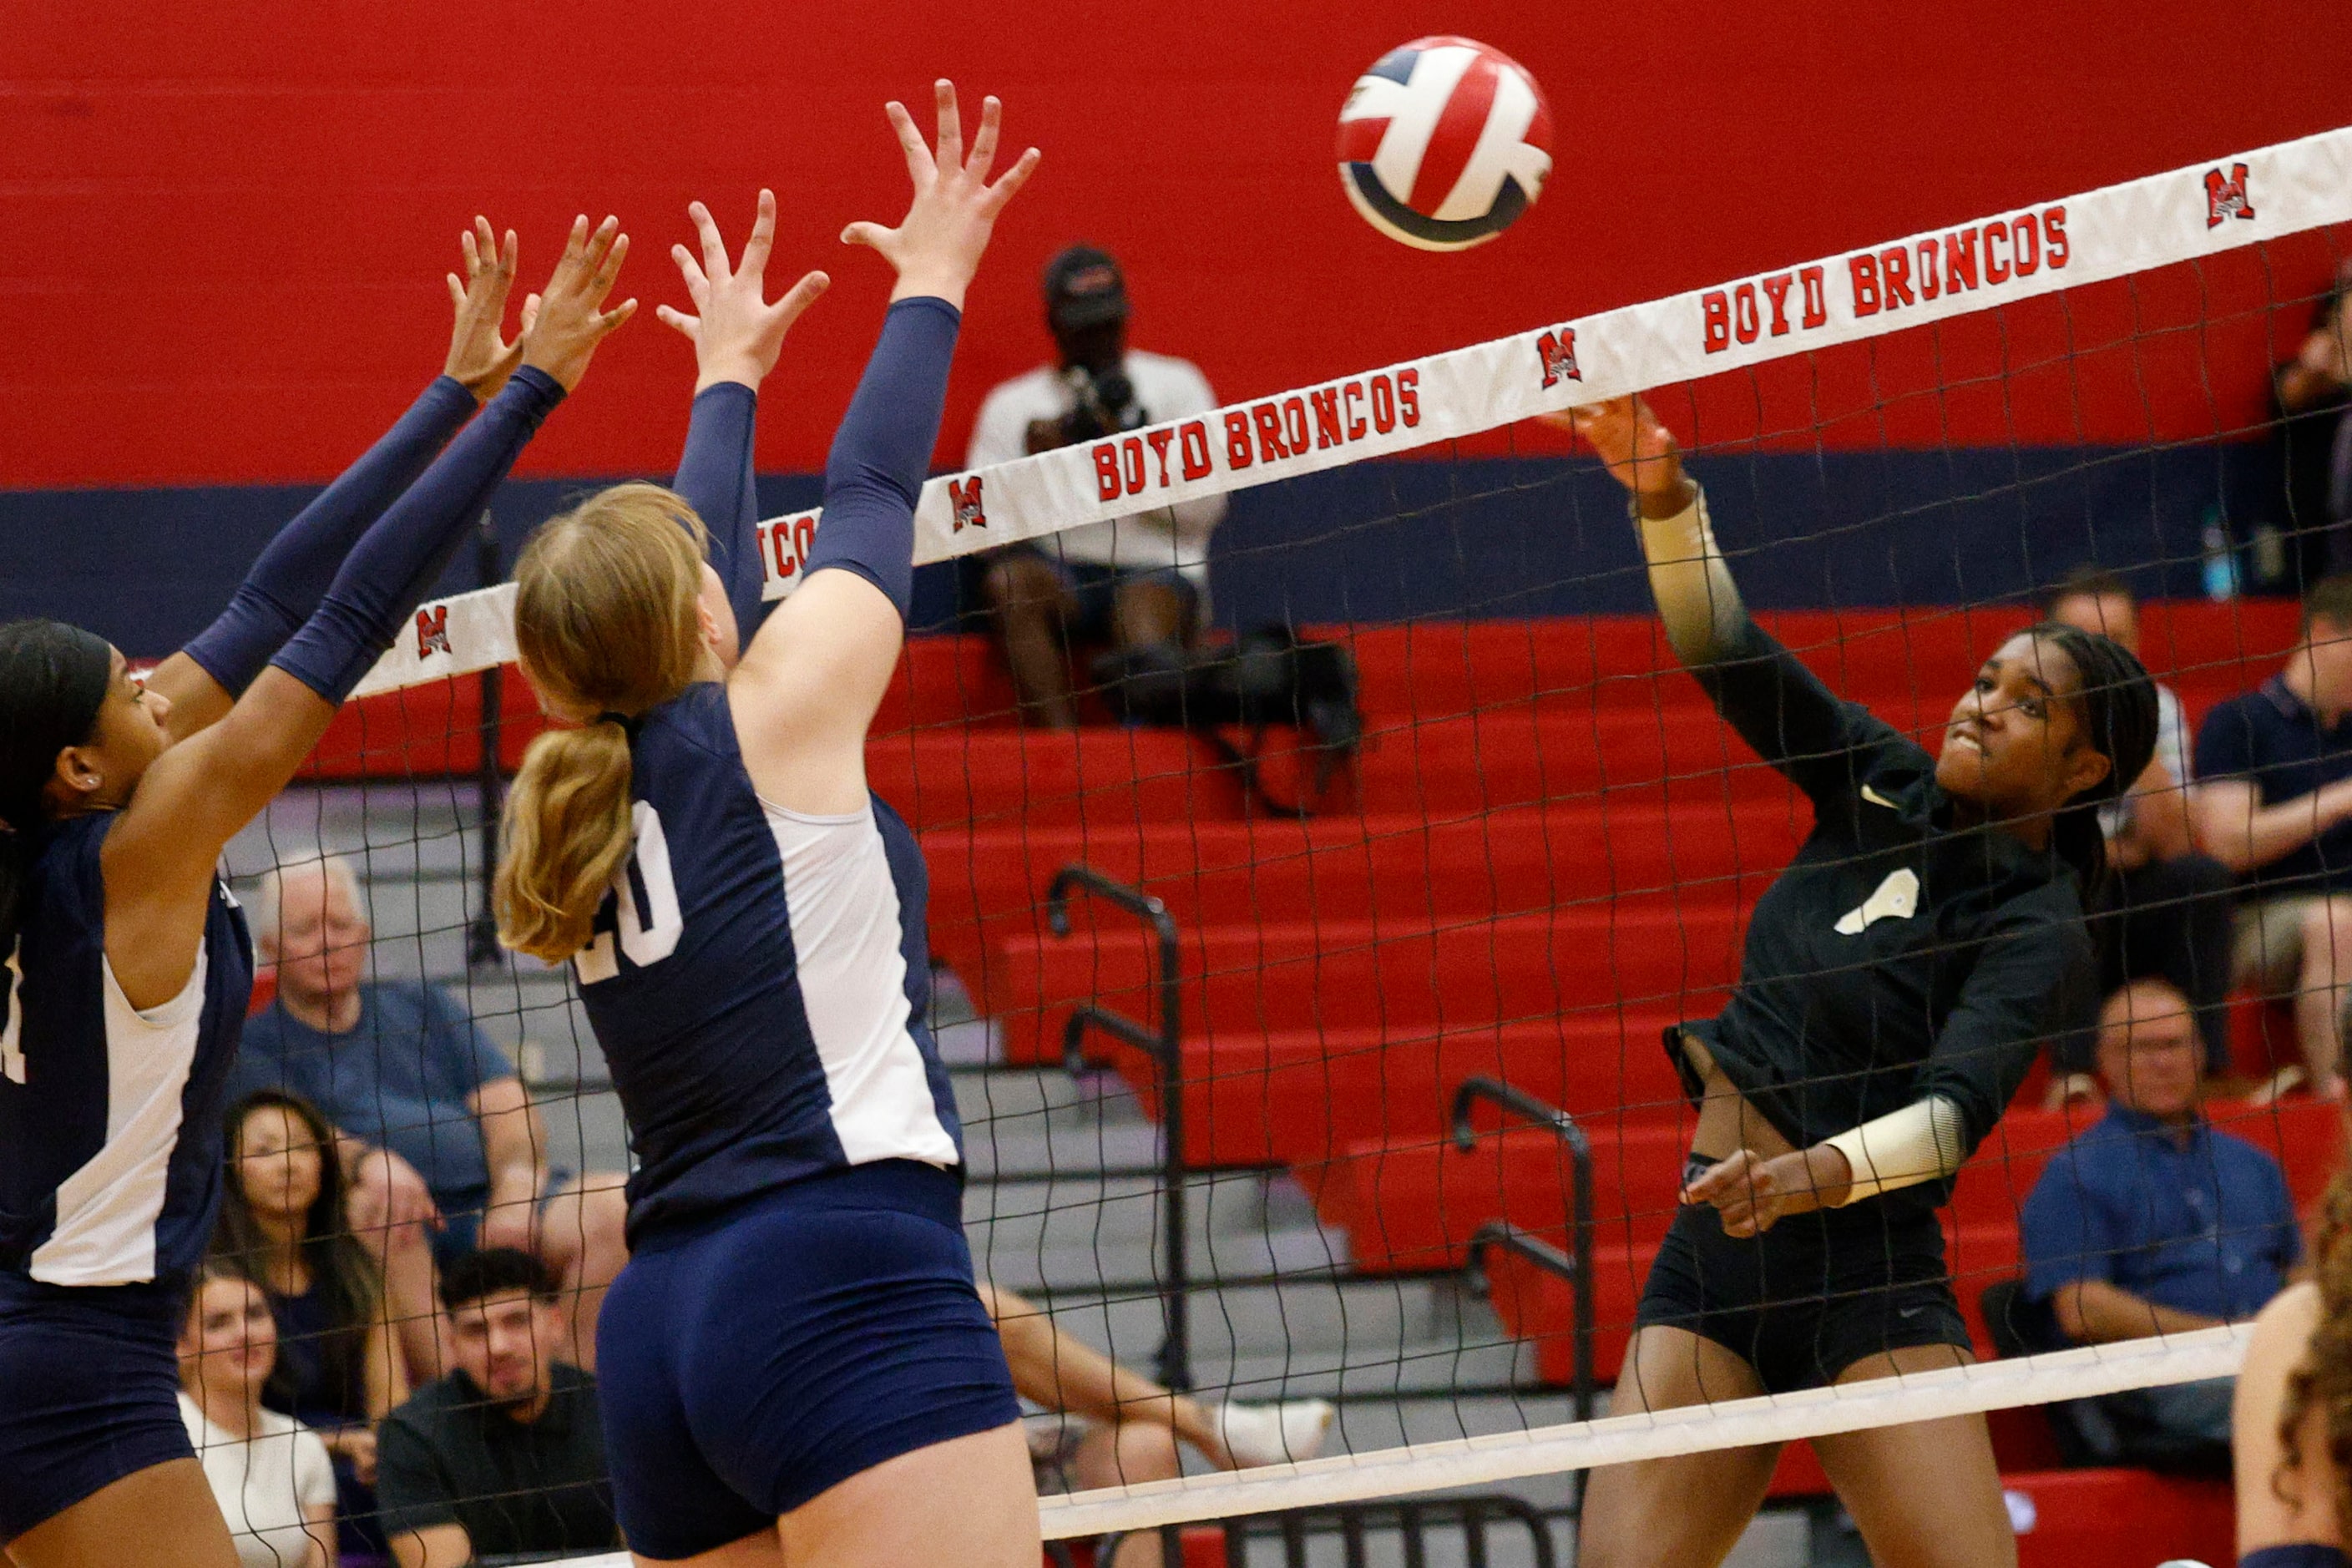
394 565
883 449
714 475
295 569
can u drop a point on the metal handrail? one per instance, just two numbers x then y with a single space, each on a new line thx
1576 1267
1165 1046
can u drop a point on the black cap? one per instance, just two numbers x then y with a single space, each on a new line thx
1083 288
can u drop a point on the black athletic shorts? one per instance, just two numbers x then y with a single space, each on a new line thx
1811 1296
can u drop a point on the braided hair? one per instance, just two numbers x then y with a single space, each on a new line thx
2115 700
53 680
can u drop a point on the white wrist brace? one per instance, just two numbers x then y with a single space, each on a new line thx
1920 1142
1690 581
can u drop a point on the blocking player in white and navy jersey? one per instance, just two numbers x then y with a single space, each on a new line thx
795 1363
127 965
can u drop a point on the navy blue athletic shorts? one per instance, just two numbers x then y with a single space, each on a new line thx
748 1362
89 1392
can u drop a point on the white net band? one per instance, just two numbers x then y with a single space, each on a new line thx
1987 263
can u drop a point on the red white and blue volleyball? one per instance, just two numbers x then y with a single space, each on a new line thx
1444 142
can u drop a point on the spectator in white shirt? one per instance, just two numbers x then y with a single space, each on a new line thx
1135 585
269 1473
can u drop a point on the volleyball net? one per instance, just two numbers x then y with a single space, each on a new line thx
1310 1064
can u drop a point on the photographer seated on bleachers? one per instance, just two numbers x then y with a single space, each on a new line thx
504 1456
438 1138
1135 585
2152 1222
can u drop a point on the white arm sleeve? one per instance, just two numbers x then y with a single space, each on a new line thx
1920 1142
1690 582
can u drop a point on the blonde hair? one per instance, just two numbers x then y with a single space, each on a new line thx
605 623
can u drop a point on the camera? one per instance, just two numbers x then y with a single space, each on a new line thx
1102 403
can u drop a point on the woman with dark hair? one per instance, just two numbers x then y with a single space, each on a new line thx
269 1472
1898 979
282 1226
128 967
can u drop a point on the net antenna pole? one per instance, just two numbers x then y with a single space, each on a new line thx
1165 1046
1576 1270
482 936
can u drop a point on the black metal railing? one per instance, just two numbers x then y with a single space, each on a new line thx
1576 1266
1165 1046
482 938
1358 1525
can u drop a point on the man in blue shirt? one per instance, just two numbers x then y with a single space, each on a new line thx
2153 1223
439 1141
2274 804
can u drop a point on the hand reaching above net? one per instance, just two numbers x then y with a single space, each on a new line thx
480 359
736 334
936 246
572 320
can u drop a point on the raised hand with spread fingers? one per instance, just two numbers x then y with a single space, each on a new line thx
736 334
572 319
480 359
938 244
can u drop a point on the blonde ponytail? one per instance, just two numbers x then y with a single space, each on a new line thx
564 833
605 623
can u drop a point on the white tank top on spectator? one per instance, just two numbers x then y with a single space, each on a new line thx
263 1485
1167 388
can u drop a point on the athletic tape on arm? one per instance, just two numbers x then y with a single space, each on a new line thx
2163 220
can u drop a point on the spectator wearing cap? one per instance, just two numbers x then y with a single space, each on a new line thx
505 1456
2165 911
1135 585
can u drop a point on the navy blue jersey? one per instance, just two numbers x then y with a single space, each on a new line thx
110 1117
758 981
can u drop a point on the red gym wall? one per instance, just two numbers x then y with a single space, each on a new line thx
221 242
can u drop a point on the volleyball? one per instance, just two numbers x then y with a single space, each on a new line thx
1444 143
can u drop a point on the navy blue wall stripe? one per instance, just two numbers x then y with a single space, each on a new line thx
1373 542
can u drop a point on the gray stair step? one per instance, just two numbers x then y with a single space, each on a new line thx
1311 1322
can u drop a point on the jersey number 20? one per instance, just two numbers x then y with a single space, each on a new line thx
646 935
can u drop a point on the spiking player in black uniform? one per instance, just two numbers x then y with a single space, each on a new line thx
795 1365
127 966
1898 978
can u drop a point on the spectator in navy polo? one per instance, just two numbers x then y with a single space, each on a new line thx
441 1146
2151 1222
2273 802
1135 585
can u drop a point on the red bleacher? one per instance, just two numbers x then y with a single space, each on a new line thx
1544 857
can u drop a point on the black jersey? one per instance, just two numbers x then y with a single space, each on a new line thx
1896 957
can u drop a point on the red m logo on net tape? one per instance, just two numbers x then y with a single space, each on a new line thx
433 630
964 497
2227 197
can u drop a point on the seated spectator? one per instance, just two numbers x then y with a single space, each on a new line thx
437 1136
503 1458
2311 393
281 1225
1128 1427
2168 906
2294 1399
2153 1223
269 1473
2273 802
1135 585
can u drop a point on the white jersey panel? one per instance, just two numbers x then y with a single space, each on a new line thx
107 1210
846 930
